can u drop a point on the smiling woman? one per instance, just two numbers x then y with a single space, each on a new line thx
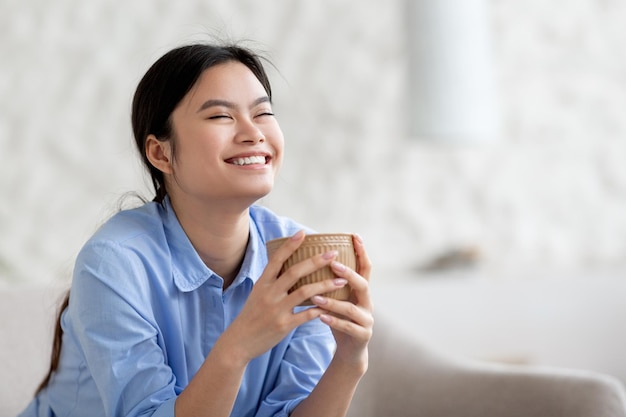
175 308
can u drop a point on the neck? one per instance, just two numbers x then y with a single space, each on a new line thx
218 232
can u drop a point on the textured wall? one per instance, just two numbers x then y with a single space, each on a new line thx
551 192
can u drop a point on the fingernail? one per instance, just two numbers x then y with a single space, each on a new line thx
319 300
338 266
330 254
326 318
298 235
358 238
340 282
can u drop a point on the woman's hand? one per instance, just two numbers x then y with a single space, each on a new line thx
351 321
268 315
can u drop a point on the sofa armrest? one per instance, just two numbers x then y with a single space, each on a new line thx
407 378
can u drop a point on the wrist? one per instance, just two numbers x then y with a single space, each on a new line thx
354 365
230 353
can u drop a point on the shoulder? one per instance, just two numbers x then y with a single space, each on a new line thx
130 234
129 252
127 225
272 226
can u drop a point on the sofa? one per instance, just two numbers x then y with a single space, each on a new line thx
407 377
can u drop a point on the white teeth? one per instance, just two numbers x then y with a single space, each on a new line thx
249 160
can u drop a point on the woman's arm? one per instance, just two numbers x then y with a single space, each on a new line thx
333 394
351 323
213 390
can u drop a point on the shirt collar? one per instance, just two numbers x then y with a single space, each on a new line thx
255 259
190 272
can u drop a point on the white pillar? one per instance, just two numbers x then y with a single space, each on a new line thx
452 77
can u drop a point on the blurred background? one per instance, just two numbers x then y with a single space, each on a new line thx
477 146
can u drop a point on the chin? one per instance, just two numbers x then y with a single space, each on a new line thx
257 194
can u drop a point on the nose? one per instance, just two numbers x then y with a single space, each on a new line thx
249 132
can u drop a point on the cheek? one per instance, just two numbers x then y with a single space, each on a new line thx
278 141
280 152
194 159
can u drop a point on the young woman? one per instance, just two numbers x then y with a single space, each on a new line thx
175 309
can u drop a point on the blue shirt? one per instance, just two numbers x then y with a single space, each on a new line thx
145 311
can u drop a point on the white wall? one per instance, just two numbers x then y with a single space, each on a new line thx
551 192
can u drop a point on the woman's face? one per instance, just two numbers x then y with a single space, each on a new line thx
228 144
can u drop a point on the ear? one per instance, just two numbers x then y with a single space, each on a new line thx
159 154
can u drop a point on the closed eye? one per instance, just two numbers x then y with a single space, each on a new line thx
218 116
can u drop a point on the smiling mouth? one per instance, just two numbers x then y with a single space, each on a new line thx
249 160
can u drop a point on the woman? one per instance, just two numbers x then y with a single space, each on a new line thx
175 309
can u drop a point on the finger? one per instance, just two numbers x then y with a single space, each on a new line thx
278 258
348 327
345 310
307 315
359 285
364 264
305 292
289 278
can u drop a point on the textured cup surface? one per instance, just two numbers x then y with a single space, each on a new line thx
316 244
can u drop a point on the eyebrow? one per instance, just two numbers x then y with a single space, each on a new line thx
228 104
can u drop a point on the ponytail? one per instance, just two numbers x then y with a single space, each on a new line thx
56 344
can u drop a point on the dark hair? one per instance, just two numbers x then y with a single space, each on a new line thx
56 344
158 93
166 83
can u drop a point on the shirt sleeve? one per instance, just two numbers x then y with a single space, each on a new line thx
305 361
112 321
